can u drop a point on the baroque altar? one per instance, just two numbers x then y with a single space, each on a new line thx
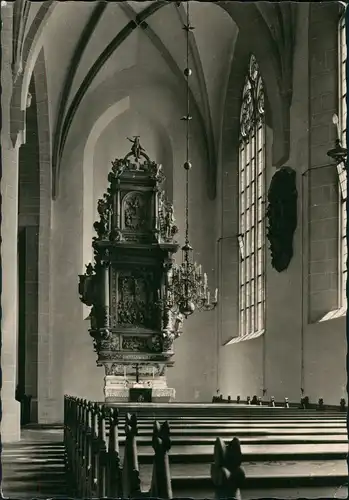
128 286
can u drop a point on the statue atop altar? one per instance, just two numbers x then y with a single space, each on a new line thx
128 286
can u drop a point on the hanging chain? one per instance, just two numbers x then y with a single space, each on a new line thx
187 165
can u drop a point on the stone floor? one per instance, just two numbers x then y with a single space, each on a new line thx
34 467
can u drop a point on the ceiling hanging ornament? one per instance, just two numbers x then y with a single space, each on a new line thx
187 283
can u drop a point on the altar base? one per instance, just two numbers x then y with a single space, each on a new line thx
118 390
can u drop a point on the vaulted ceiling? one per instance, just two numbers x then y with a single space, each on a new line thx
85 43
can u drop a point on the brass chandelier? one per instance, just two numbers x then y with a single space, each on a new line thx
187 285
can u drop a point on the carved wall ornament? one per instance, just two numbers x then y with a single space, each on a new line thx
173 322
111 344
134 214
120 166
99 318
133 343
108 356
103 339
167 341
282 217
136 304
161 393
135 211
155 369
154 343
119 393
116 235
139 357
114 369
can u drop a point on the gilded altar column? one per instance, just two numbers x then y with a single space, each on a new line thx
118 205
106 294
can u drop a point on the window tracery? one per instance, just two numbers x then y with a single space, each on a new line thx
252 203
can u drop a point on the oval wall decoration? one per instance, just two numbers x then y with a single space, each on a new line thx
282 217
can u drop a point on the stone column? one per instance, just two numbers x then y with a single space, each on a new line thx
10 424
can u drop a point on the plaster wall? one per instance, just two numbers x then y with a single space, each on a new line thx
324 341
297 350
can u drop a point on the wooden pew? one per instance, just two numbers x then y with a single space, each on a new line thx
131 483
114 478
92 458
93 462
161 479
226 472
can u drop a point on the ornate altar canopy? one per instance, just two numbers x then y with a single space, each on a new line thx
133 325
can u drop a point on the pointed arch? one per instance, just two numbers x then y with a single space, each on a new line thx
251 203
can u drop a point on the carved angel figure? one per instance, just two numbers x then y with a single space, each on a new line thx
169 220
167 227
118 168
136 148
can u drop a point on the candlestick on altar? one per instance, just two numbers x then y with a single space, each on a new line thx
216 295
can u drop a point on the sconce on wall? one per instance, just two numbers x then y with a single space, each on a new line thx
338 153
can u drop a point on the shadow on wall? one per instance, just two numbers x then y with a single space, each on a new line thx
243 368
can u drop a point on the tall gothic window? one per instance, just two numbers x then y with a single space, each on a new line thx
251 203
342 49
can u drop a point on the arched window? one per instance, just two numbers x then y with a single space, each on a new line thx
252 203
342 49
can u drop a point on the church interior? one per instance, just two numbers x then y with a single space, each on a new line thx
170 174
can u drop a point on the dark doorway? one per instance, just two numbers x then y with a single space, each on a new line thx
21 396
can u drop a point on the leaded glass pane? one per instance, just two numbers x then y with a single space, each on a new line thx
252 196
